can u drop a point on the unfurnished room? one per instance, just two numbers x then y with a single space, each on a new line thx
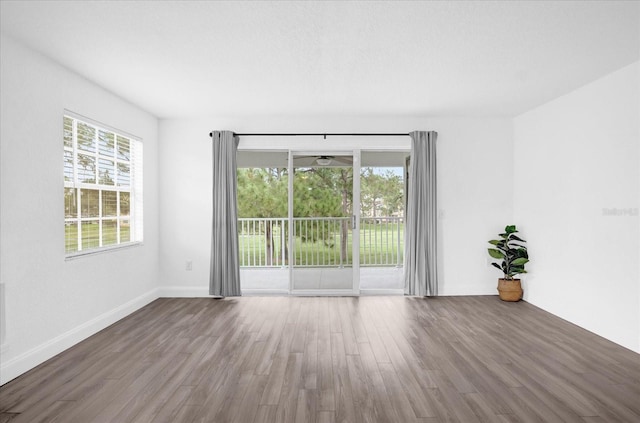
319 211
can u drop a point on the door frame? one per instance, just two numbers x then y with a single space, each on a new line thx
355 288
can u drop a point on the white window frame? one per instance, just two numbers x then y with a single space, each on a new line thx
135 216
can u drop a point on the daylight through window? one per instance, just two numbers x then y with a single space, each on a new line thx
102 187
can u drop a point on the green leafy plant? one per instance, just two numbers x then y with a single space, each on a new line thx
511 250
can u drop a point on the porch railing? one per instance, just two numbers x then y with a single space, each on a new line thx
320 242
381 241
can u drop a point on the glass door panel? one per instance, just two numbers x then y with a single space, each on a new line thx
262 197
321 209
382 200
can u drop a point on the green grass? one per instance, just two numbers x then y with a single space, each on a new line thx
91 235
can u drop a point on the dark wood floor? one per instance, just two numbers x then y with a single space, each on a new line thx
369 359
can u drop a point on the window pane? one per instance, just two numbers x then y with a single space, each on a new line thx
124 148
109 232
68 166
90 234
70 237
124 175
68 132
106 171
86 169
109 203
125 233
125 206
96 158
89 203
86 137
106 143
70 203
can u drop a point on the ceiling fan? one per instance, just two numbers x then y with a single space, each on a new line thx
322 160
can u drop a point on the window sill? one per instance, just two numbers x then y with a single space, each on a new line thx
110 249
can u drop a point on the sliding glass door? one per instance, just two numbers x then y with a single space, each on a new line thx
335 227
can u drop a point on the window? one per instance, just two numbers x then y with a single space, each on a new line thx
102 186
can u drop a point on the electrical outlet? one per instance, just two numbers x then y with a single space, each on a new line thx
188 265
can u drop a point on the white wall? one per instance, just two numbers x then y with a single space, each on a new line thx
474 177
51 303
576 158
475 170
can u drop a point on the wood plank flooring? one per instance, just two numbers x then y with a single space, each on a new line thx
368 359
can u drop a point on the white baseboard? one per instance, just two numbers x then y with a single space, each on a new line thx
28 360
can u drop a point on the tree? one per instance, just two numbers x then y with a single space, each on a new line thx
262 193
318 192
382 192
324 192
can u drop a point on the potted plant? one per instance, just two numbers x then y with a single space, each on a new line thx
511 250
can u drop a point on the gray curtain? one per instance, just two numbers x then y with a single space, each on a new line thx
420 252
225 268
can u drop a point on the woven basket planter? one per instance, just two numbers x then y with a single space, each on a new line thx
510 290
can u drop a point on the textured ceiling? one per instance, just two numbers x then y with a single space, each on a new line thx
188 59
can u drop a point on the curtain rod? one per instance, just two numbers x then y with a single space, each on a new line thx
325 135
